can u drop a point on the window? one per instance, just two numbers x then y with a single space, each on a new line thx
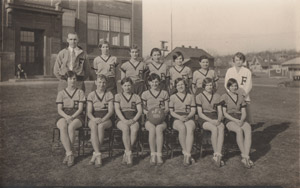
125 32
109 28
27 36
104 27
92 29
68 23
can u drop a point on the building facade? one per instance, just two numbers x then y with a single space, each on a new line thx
34 31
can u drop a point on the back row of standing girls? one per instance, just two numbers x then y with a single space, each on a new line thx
182 104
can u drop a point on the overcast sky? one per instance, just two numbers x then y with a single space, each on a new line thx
222 27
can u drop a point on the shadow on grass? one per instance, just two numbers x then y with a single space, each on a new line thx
261 139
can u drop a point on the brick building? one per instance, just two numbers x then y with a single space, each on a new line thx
34 31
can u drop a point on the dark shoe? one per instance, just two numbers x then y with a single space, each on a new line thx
124 159
98 161
187 161
246 163
65 161
70 160
159 161
92 161
129 160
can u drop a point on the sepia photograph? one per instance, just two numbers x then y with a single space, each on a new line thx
150 93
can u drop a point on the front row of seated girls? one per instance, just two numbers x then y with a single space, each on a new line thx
129 108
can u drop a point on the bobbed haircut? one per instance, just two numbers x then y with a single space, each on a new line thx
101 42
176 55
126 79
134 47
70 74
230 82
153 76
203 57
240 55
177 80
155 50
101 77
208 81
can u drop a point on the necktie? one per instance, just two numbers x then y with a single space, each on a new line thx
72 59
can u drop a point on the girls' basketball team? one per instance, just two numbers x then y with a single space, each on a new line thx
190 93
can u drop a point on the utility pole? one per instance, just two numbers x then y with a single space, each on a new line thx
163 47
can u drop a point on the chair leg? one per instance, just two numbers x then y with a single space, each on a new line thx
79 140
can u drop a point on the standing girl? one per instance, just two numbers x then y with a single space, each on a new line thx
203 72
155 97
128 108
158 67
234 109
69 106
135 70
243 77
179 71
106 64
210 113
99 111
182 109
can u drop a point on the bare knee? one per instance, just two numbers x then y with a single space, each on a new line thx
92 125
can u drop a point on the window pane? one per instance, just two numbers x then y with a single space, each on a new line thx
125 40
31 54
68 18
27 36
92 37
92 21
115 24
65 31
23 54
125 25
104 23
103 35
114 39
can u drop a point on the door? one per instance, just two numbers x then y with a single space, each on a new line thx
31 51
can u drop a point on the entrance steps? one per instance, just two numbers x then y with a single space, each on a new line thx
34 78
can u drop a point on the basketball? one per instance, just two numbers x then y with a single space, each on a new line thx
156 115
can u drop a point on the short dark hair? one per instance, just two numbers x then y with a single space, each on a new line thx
153 76
101 42
126 79
155 50
101 77
176 55
177 80
70 74
203 57
230 82
134 47
240 55
208 81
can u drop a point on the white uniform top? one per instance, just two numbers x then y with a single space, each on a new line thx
243 77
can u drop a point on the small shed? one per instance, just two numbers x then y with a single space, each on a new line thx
294 68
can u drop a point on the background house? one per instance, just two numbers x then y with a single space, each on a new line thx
191 57
33 32
293 66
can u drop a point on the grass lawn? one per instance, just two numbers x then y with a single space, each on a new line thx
28 112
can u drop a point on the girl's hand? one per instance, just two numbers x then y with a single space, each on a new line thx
183 118
98 120
69 119
214 122
218 123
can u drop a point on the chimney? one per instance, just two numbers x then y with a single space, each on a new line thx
196 47
190 46
182 46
